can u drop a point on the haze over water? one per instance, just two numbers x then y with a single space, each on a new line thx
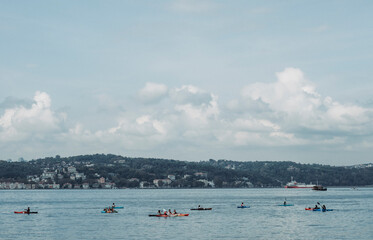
76 214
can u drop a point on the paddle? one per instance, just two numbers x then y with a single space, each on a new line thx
164 210
321 206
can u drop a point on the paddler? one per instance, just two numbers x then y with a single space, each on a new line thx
159 212
242 204
284 202
175 211
28 210
316 207
323 207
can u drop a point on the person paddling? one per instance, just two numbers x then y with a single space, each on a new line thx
323 207
159 212
175 211
28 210
316 207
285 202
242 204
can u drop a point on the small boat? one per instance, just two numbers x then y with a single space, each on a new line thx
286 205
118 207
243 206
319 188
201 209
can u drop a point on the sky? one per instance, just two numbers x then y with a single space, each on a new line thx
188 80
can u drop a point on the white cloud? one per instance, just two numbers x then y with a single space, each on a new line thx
187 109
295 102
292 93
141 132
285 113
189 94
346 114
257 125
152 92
20 122
195 104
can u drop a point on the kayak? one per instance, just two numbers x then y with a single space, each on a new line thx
201 209
286 205
109 212
118 207
319 209
25 212
172 215
243 206
180 215
323 210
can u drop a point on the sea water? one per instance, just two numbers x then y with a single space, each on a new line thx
76 214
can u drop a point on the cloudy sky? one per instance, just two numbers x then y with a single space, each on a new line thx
188 80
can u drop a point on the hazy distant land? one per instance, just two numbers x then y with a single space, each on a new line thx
113 171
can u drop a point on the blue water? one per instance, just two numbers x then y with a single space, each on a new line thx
76 214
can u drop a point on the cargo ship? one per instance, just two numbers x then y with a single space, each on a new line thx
295 184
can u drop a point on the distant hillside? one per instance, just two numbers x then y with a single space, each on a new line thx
112 171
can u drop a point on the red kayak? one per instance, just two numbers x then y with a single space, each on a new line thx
172 215
25 212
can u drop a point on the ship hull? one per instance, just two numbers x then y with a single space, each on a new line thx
298 186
